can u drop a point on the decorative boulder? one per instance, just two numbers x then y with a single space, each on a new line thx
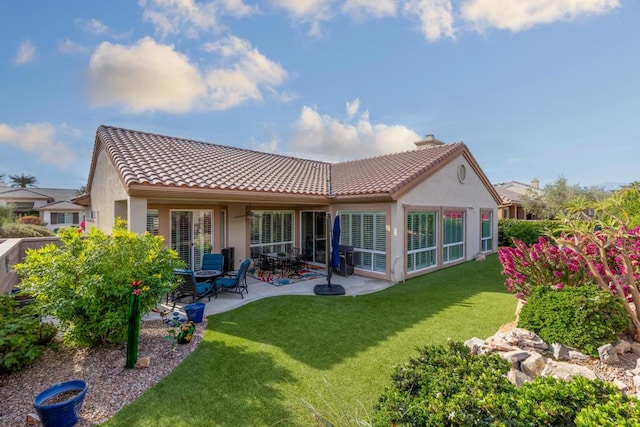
608 354
533 365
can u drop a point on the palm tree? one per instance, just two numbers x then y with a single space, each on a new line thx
81 190
23 180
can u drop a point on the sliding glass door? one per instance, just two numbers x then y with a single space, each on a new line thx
314 236
191 235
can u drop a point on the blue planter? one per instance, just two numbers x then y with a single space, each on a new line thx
65 413
195 312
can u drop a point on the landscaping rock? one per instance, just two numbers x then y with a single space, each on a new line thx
608 354
517 377
525 339
621 386
498 343
32 419
474 344
515 357
635 347
566 371
143 362
559 351
533 365
622 346
576 356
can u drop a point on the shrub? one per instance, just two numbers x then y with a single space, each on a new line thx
617 412
15 230
447 386
583 317
541 264
30 220
85 283
525 231
22 335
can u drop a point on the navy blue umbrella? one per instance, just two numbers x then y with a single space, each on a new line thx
335 243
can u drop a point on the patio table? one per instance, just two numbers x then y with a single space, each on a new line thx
203 275
284 262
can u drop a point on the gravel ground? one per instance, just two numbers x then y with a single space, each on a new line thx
110 386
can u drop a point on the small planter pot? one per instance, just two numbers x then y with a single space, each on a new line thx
59 405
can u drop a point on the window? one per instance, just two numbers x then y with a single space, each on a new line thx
422 240
453 235
152 221
65 218
271 231
486 225
367 233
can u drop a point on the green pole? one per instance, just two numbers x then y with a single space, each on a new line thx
133 331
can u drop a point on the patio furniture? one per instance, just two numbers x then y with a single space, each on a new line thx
189 287
265 266
237 284
213 262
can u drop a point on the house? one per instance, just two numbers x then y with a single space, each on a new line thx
405 214
53 205
512 194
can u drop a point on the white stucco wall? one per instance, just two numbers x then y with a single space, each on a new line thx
106 188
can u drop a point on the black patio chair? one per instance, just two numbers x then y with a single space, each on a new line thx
188 287
237 284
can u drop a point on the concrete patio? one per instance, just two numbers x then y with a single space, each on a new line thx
353 285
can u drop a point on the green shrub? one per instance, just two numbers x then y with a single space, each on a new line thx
526 231
86 282
617 412
447 386
22 335
16 230
584 317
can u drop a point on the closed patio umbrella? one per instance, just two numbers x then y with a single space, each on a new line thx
333 261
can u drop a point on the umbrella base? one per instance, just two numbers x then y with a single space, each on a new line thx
328 290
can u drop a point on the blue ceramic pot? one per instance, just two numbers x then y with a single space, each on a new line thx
65 413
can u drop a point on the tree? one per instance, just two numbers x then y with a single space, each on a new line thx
23 180
82 190
555 198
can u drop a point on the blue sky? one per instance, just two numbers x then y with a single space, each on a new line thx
535 88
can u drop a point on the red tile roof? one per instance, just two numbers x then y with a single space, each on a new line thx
153 160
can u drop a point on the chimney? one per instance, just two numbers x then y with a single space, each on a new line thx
535 183
428 142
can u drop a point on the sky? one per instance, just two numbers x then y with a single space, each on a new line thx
536 89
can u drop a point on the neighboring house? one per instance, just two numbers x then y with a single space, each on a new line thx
53 204
512 197
405 214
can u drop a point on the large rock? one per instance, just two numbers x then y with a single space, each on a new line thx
566 371
499 343
517 377
622 346
560 352
474 344
515 357
533 365
576 356
608 354
525 339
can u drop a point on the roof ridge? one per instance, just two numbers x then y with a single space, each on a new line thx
446 145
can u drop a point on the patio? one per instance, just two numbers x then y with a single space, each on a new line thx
353 285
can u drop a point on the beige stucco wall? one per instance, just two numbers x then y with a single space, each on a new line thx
106 188
443 189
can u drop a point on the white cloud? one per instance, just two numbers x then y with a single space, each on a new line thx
321 135
312 12
149 76
175 16
435 16
38 138
144 77
352 108
69 47
523 14
26 52
96 27
247 74
361 9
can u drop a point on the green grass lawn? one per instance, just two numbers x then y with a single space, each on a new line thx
261 364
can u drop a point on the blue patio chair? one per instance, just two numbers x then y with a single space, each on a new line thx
188 287
213 262
236 284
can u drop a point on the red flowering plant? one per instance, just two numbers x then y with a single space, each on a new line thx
541 264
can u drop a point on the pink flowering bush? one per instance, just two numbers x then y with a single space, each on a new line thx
541 264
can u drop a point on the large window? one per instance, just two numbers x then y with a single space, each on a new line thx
65 218
486 224
422 240
453 235
153 221
366 232
271 231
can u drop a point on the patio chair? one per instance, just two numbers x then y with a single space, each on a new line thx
188 287
213 262
265 266
237 284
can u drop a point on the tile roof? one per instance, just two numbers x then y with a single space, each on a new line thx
146 158
389 173
508 196
158 161
37 193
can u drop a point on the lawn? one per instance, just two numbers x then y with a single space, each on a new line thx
263 363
